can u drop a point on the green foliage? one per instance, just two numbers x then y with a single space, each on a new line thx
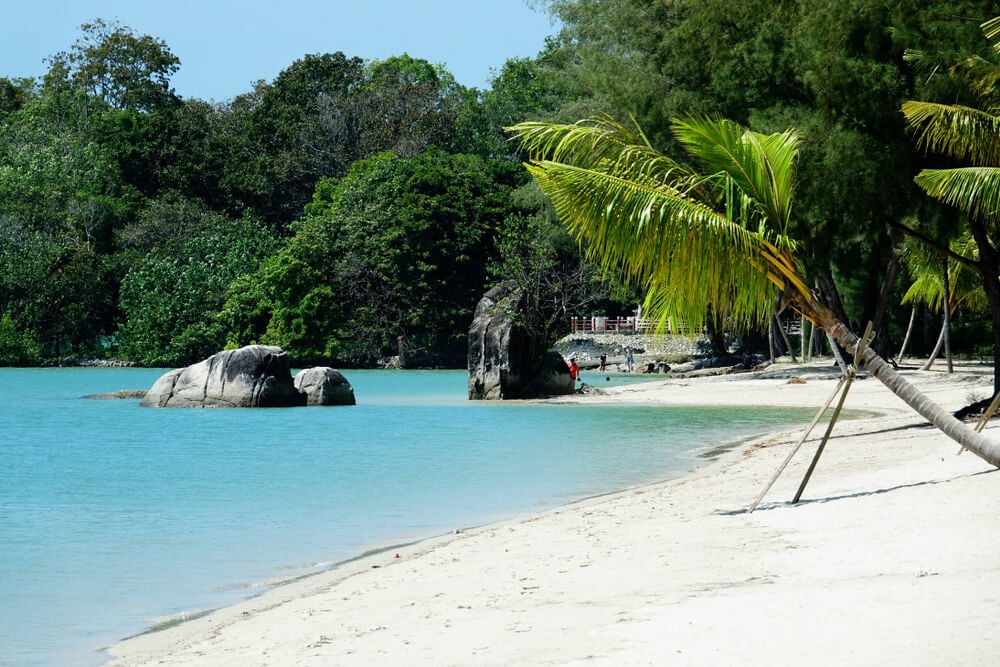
539 256
18 347
55 179
521 90
698 243
106 173
927 268
14 94
835 73
113 64
170 301
325 112
397 248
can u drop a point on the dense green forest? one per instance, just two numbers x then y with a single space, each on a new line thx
350 206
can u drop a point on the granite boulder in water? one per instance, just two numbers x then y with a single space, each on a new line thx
324 386
255 376
505 360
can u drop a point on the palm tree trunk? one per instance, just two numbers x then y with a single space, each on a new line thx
836 352
906 338
770 340
993 297
802 338
975 442
785 339
947 317
936 351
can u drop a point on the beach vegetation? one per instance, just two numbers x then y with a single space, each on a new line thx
397 248
706 236
969 134
106 174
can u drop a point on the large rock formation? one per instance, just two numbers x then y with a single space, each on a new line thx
256 376
324 386
504 360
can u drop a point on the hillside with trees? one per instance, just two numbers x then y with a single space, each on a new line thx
349 207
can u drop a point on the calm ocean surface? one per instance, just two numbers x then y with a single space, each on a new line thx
113 516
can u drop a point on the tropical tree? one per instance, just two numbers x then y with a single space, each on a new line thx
711 237
970 134
172 298
113 64
931 284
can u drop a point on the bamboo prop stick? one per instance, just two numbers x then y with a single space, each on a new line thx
987 415
851 374
795 449
826 437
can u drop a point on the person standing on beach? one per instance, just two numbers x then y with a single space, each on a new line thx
574 369
604 361
629 360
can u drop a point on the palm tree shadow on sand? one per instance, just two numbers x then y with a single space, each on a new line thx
763 507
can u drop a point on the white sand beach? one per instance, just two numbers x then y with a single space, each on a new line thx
891 558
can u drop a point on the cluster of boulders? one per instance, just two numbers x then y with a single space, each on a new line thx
255 376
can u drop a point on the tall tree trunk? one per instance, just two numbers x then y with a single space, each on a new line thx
831 295
947 317
836 352
878 316
906 338
989 270
802 337
936 351
975 442
770 340
784 338
992 288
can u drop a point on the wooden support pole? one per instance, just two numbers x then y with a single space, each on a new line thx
795 449
851 374
826 437
988 414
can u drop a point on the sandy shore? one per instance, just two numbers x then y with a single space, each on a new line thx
890 558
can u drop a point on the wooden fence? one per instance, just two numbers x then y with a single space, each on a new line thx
626 325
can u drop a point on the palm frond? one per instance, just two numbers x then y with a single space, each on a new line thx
694 242
602 141
991 29
925 264
961 132
975 190
686 255
760 165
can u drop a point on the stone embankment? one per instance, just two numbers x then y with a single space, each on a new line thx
588 347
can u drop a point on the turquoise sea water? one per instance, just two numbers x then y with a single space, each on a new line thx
113 516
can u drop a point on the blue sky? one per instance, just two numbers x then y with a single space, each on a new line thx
226 45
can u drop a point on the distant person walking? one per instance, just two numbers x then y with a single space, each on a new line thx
604 362
629 360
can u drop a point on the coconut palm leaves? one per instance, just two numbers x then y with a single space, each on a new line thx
969 134
928 287
714 238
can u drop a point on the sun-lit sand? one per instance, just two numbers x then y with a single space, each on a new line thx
891 558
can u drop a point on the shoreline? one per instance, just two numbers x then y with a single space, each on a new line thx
886 540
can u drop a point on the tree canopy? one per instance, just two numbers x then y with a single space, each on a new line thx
378 199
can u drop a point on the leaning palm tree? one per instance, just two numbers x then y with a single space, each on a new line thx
706 237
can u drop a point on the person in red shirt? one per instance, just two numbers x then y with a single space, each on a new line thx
574 369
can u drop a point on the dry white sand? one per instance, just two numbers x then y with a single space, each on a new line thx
891 558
